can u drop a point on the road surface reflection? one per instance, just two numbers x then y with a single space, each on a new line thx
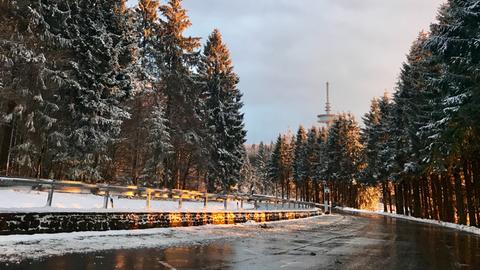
359 242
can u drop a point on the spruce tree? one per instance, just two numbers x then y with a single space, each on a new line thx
134 160
178 59
261 166
312 156
97 83
31 39
224 121
320 169
275 165
158 143
370 139
345 158
300 172
454 41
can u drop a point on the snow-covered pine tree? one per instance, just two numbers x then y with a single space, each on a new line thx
158 145
178 60
30 39
288 159
300 162
276 166
261 166
320 165
345 153
412 110
148 29
146 98
370 139
224 121
90 102
312 151
250 181
454 40
385 153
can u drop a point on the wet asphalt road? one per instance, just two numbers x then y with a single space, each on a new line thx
351 242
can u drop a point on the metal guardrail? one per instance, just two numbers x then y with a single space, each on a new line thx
146 193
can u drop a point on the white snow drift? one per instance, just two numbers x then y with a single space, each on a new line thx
459 227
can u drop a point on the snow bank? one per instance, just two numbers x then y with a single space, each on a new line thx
35 201
459 227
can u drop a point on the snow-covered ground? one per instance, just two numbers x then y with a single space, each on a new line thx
35 201
464 228
15 248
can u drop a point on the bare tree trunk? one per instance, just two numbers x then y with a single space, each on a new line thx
476 183
459 197
470 196
384 196
10 146
389 192
437 202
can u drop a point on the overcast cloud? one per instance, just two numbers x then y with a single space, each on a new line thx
285 50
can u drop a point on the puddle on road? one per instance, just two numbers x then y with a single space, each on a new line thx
186 257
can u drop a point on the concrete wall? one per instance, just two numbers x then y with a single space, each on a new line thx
30 223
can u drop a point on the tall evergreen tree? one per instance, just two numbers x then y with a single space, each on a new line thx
454 41
281 164
312 151
30 41
345 158
158 143
300 171
97 83
261 165
179 57
370 138
224 120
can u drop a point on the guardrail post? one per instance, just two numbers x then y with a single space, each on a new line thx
241 204
180 202
105 199
50 197
266 205
205 201
149 194
326 195
225 203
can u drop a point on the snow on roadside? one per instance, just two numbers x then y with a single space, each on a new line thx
16 248
34 201
459 227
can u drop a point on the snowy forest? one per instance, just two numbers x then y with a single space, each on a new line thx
419 150
97 91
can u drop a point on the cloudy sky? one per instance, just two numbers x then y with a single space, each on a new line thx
285 50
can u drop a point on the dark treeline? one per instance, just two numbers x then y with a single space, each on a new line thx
95 91
431 127
424 143
420 148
